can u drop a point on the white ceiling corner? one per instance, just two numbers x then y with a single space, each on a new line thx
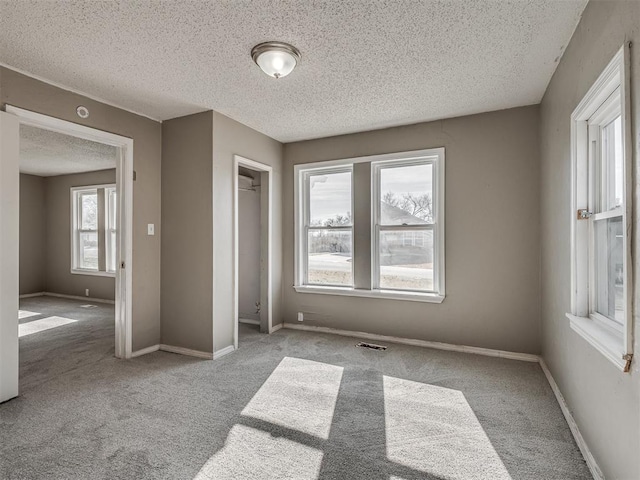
365 64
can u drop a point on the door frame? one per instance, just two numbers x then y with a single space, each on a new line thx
124 192
266 240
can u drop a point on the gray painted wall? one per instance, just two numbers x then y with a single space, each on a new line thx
187 236
32 234
229 138
59 278
25 92
248 253
605 402
492 234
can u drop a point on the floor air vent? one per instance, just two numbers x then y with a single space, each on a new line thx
372 346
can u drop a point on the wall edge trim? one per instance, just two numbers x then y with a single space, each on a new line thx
186 351
526 357
32 295
144 351
224 351
78 297
573 426
275 328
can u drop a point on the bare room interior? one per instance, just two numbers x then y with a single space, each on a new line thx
319 240
67 250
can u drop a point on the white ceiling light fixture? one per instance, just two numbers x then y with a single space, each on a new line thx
276 59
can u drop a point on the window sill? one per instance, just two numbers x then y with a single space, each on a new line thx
93 273
603 339
384 294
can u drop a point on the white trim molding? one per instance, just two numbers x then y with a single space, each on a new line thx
186 351
266 242
124 192
78 297
144 351
608 95
33 295
222 352
526 357
369 287
573 426
383 294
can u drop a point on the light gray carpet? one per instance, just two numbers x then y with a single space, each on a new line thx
291 405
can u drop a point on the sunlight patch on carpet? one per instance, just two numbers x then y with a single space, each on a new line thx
26 314
434 430
300 395
37 326
251 454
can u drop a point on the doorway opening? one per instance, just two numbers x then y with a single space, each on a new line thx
252 245
75 233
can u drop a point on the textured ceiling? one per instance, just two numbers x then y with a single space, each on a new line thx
45 153
365 64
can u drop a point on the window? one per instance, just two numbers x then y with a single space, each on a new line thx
93 213
372 226
404 226
601 273
328 227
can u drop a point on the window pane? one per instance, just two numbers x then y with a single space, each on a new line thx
111 251
111 208
406 195
609 271
406 259
89 211
330 259
88 251
330 199
613 168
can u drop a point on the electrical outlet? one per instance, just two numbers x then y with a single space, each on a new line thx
300 316
86 292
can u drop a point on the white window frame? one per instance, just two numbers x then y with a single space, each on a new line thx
306 221
75 194
437 165
435 155
613 340
110 249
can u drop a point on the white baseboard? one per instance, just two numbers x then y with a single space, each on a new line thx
225 351
32 295
78 297
573 426
186 351
526 357
249 321
144 351
275 328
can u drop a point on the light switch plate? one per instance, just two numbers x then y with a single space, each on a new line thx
151 229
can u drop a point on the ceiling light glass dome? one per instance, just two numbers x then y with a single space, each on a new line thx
276 59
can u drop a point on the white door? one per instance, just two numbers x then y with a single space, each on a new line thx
9 240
